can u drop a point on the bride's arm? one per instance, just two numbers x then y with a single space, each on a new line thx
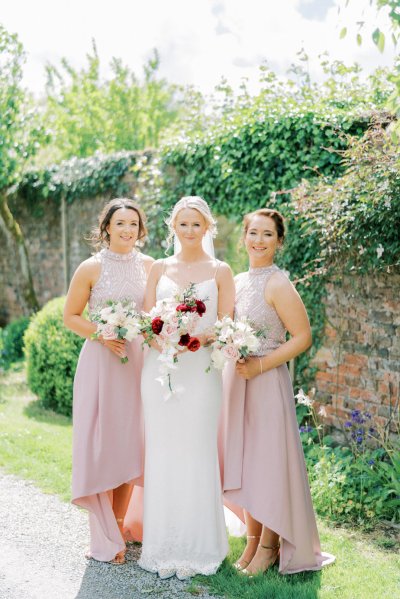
150 293
226 291
150 297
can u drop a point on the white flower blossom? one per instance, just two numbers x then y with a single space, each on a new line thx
303 399
379 251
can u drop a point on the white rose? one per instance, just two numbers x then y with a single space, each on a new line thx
218 359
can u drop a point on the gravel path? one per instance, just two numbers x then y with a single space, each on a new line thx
42 543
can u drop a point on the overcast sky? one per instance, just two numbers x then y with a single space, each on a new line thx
198 40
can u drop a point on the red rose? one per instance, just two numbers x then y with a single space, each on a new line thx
200 307
183 308
184 340
194 344
157 325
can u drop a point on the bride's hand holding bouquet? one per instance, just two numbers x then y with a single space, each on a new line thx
171 324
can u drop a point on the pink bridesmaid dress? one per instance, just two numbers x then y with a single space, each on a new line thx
107 413
264 467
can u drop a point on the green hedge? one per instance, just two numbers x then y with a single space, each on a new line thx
52 353
78 178
12 342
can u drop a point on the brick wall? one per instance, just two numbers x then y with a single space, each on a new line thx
43 235
359 363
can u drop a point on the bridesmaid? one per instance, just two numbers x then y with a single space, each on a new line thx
107 419
265 478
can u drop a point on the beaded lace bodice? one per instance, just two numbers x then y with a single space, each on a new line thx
250 303
122 277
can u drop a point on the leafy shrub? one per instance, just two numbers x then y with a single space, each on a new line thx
346 488
357 216
12 342
356 484
52 353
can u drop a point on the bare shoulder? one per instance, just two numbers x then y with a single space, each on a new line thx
89 268
156 268
148 261
224 271
279 281
279 289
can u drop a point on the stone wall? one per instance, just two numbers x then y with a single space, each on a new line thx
359 363
42 229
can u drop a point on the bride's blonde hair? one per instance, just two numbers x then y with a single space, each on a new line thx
196 203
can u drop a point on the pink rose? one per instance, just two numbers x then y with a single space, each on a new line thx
108 332
169 329
230 352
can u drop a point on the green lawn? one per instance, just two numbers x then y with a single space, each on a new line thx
36 444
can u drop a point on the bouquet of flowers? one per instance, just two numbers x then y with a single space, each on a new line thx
117 320
172 323
235 339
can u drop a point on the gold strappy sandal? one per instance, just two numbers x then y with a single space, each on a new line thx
274 557
242 563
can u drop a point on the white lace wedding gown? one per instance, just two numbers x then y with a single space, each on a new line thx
183 528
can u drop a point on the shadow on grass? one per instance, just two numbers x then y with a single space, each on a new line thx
12 382
385 536
229 583
36 411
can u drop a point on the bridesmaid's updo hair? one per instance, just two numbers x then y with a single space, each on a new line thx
100 236
196 203
274 214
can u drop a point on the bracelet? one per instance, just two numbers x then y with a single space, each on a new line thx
261 366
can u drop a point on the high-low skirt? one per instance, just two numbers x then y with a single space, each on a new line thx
264 470
108 443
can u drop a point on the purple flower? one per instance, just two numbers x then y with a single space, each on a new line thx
348 424
305 429
371 462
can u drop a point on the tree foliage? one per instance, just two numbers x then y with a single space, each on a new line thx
20 134
392 7
89 114
20 130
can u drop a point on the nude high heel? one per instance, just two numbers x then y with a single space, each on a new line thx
242 563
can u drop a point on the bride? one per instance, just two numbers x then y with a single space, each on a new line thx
184 528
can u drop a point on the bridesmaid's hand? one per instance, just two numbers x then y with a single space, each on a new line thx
248 368
205 339
117 346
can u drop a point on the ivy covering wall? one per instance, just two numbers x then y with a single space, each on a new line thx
255 163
